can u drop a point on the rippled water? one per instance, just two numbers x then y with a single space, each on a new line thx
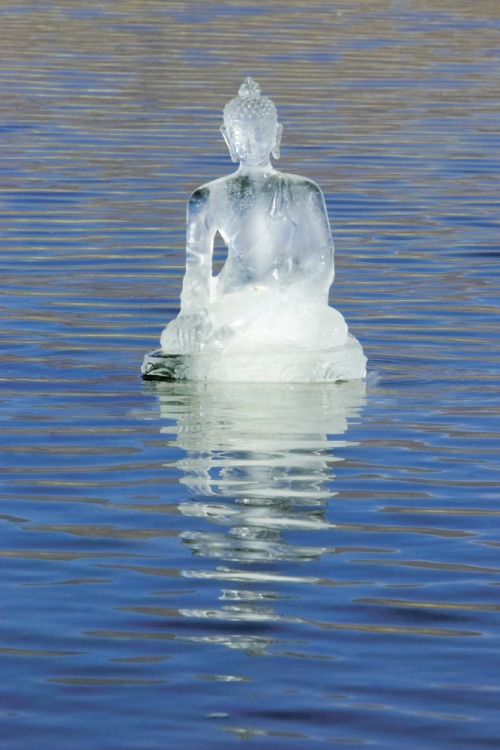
295 566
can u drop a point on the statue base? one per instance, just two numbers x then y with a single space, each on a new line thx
276 365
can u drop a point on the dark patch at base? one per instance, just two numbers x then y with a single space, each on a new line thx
160 366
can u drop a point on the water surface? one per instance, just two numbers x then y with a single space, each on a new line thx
290 566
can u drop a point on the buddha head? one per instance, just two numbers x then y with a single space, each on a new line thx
251 128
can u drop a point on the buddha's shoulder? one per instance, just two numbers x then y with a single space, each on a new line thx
203 193
301 185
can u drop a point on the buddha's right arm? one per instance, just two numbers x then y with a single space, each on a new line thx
197 284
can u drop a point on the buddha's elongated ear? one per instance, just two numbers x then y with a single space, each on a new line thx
227 137
276 148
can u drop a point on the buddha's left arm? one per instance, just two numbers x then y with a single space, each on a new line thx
314 240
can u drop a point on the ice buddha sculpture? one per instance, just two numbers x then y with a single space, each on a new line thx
265 316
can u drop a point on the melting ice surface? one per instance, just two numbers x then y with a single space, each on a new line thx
265 317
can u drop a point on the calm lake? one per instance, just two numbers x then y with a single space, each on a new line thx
217 565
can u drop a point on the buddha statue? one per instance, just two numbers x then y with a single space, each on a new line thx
265 316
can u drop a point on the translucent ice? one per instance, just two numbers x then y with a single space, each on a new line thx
265 316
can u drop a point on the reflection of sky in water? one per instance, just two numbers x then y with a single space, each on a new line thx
258 462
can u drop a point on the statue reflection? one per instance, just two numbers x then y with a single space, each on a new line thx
258 464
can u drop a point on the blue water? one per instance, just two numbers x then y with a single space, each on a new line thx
290 566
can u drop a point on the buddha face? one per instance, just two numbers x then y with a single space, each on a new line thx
251 142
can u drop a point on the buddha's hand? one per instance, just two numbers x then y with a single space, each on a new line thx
186 334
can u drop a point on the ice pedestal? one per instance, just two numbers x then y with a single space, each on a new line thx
277 364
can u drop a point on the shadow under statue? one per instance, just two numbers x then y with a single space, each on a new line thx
265 317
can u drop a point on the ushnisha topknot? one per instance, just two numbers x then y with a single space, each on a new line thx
249 105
